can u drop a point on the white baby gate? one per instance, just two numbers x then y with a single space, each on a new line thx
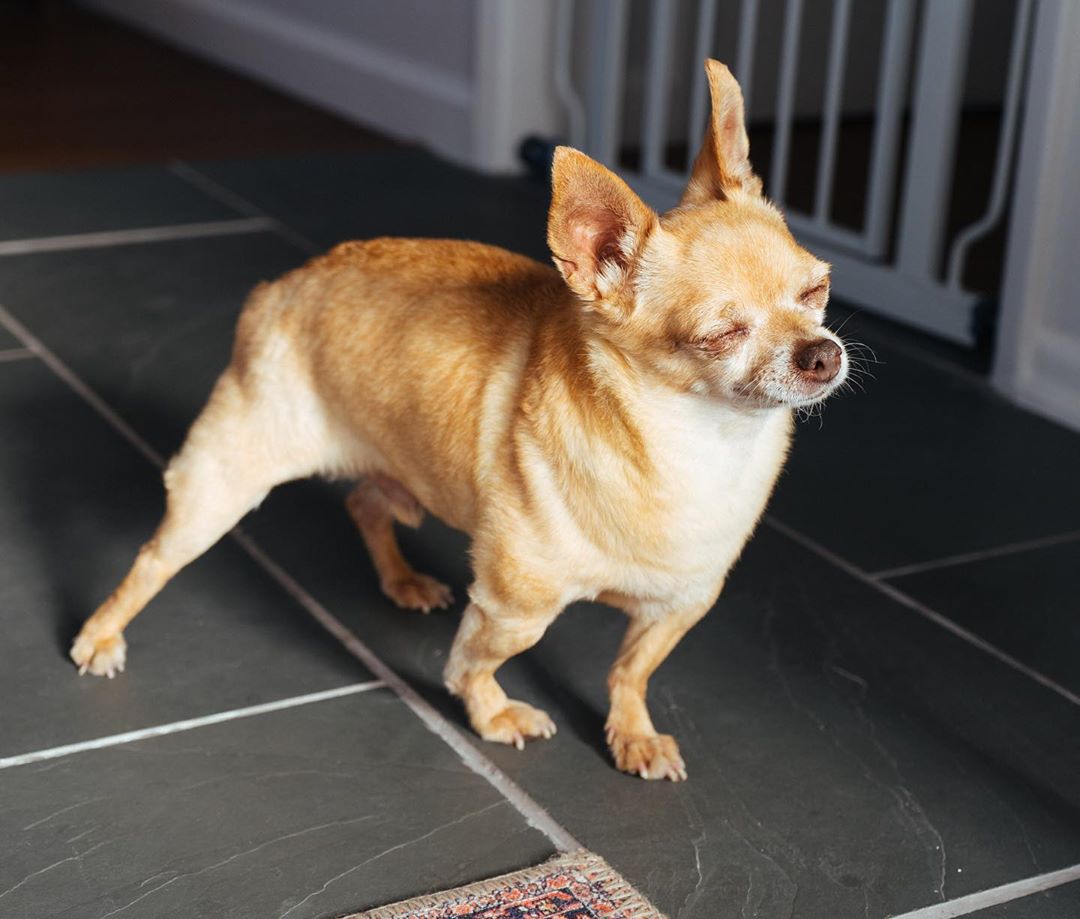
896 263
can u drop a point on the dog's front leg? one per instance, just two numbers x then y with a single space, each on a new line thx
485 640
633 740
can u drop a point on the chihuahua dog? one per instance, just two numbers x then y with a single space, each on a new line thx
608 430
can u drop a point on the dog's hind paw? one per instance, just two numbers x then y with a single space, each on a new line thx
418 591
101 657
654 756
517 723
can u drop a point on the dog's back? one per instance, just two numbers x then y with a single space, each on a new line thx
398 348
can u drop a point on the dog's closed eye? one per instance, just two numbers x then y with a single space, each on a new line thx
723 340
815 297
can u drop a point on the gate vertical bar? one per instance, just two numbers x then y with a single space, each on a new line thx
657 72
706 26
834 85
748 19
1014 89
885 153
608 21
935 120
785 102
563 72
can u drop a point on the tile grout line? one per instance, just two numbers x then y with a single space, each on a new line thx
109 238
58 367
188 724
922 609
993 896
1043 542
535 815
218 192
15 354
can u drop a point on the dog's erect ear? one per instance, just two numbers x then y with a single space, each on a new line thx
596 227
723 165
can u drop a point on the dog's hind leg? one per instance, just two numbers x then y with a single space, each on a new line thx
228 463
374 505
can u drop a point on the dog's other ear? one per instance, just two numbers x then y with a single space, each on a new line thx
723 165
596 227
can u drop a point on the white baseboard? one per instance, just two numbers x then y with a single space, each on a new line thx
1050 382
407 99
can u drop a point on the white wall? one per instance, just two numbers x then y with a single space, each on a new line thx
439 34
1038 343
467 78
470 78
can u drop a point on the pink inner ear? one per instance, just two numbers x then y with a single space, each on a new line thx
596 232
731 136
729 125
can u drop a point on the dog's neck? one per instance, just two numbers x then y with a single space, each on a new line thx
622 453
620 404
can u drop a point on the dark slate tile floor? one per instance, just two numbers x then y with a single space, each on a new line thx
926 464
8 342
1025 603
827 771
77 500
36 205
328 197
284 814
848 756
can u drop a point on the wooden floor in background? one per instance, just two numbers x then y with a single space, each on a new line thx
78 90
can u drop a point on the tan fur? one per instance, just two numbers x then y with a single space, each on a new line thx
609 430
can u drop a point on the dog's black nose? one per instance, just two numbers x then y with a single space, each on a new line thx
819 360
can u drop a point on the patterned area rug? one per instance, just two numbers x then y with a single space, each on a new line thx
578 885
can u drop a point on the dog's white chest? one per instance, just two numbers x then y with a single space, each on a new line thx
670 543
715 470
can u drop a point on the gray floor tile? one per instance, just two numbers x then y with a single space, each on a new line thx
60 203
76 502
337 196
844 753
926 464
149 327
1023 603
314 811
7 340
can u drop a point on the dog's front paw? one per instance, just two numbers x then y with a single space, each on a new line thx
517 723
652 756
418 591
101 657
